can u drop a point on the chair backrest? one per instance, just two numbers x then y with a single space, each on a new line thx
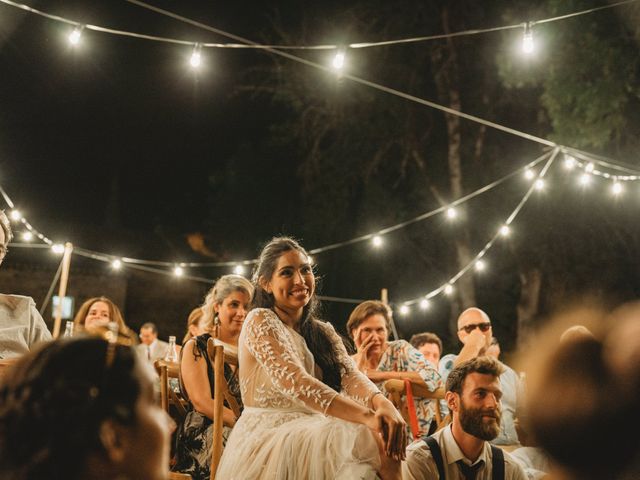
397 390
166 371
221 392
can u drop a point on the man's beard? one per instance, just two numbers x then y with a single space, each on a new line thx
473 423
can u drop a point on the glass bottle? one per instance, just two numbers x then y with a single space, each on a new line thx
68 330
171 352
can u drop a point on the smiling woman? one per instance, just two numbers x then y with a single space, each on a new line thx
309 413
223 312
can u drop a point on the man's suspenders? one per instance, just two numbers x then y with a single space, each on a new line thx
497 459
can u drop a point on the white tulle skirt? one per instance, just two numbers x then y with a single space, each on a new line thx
276 444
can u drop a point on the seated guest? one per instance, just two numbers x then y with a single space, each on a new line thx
475 332
81 409
429 345
95 314
225 309
151 348
21 325
196 324
382 360
461 450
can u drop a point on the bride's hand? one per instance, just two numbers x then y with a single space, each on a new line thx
392 426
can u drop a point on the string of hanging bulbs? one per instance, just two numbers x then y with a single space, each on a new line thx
338 62
585 167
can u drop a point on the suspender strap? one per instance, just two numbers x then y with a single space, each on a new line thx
497 461
436 454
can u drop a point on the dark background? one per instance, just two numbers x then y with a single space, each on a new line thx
118 146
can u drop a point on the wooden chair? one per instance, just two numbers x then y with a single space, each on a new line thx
396 388
166 371
179 476
221 394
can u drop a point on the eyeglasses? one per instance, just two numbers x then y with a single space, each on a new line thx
472 326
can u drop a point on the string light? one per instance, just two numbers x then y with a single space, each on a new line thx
404 310
116 264
377 241
15 215
74 36
448 289
27 236
529 174
57 248
527 39
339 59
425 304
505 230
480 266
539 184
238 270
589 168
585 179
617 188
196 58
178 271
569 162
451 213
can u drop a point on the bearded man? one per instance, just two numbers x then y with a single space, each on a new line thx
461 450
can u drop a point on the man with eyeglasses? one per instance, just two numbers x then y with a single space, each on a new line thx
21 325
476 335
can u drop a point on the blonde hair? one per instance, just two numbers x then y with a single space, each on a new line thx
225 286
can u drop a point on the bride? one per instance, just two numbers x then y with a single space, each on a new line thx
309 413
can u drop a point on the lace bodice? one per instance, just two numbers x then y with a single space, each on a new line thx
277 369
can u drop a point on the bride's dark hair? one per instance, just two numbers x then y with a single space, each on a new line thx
311 329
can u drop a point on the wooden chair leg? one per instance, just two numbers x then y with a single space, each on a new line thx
218 373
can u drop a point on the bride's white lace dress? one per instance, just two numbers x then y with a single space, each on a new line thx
283 432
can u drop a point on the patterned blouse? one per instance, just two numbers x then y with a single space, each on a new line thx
400 356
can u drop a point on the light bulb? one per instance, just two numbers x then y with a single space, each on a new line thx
116 264
196 58
617 188
569 162
529 174
527 39
57 248
238 270
338 60
448 290
15 215
480 266
539 184
425 304
178 271
404 309
377 241
27 236
585 179
505 230
74 37
451 213
589 167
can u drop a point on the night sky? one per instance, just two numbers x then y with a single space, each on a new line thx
119 146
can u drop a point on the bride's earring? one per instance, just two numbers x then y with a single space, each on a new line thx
216 325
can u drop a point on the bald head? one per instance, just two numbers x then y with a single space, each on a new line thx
472 315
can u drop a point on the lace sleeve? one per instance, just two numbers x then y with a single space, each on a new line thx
269 343
355 384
